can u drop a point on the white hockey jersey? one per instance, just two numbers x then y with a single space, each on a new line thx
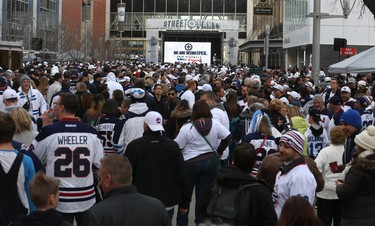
70 149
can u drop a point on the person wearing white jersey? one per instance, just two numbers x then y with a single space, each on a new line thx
294 177
71 150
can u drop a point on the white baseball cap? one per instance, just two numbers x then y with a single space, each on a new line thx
154 120
90 67
361 83
346 89
294 94
279 87
9 94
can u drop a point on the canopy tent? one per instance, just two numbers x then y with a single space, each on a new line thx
360 63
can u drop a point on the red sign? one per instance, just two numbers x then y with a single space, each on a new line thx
348 51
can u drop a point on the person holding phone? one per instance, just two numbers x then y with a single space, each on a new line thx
327 161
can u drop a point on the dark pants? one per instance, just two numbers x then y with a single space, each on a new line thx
328 210
201 174
71 216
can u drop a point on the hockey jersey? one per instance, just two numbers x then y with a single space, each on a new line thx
367 117
269 147
105 127
70 149
316 141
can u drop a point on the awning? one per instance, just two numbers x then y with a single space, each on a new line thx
13 46
257 45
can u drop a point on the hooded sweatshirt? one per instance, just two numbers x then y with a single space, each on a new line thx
112 84
44 218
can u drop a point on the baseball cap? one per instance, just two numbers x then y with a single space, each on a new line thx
90 67
327 79
335 100
362 101
309 84
154 120
3 81
279 87
294 94
361 83
352 80
9 94
346 89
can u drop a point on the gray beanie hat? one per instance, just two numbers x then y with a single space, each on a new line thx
24 78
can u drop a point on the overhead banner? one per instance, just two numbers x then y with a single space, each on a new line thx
121 12
152 46
187 52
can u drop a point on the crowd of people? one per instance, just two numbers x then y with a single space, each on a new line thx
125 143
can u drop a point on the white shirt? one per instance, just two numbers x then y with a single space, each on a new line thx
189 96
193 144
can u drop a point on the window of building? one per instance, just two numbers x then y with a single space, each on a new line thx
241 6
218 6
207 6
183 6
160 5
172 5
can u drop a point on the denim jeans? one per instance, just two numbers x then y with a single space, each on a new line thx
201 173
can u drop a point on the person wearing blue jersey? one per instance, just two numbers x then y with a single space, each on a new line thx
71 150
16 172
365 111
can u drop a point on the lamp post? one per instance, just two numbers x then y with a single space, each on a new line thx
317 16
266 44
121 21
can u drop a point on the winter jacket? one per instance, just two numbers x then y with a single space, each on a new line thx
37 103
257 199
44 218
124 206
357 197
167 181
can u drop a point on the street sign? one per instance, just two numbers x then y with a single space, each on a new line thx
263 11
348 51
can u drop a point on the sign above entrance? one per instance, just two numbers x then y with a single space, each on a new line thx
192 25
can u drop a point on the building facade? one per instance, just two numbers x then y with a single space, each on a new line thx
133 41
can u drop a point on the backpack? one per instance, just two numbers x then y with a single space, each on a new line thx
225 206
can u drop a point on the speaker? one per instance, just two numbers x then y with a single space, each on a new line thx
339 43
37 43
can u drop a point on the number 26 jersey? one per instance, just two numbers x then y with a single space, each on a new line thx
69 149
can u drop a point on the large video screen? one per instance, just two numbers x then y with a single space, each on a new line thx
187 52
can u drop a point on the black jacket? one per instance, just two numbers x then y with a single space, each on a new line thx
159 169
357 197
123 206
44 218
259 198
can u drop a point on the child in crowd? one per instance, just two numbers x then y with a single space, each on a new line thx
44 191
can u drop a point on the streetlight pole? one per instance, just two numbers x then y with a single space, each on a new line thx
317 16
267 43
121 21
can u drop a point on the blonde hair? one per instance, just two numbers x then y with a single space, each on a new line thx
264 126
43 85
337 135
22 119
276 105
293 112
81 87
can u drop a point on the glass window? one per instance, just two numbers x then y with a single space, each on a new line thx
128 6
195 6
160 5
229 6
206 6
172 5
241 6
218 6
137 6
183 6
149 6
